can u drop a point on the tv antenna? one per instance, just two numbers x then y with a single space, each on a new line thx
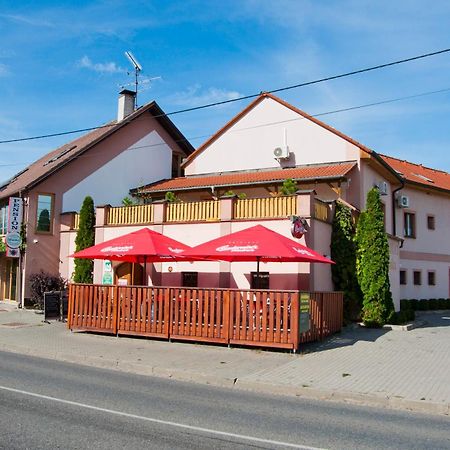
137 71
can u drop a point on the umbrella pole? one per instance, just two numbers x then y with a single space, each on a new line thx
257 272
145 270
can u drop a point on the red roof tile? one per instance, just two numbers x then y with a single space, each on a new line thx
418 174
311 172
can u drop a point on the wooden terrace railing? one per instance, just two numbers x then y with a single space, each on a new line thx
264 208
193 211
229 316
130 215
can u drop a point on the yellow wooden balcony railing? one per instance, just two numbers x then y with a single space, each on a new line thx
321 210
264 208
130 215
193 211
76 221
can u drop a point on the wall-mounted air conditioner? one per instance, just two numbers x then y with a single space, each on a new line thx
403 201
382 187
281 152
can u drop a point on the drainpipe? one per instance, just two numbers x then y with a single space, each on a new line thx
402 185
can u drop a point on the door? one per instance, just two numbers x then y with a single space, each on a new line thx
128 274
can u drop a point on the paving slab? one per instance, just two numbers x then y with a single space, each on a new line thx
387 368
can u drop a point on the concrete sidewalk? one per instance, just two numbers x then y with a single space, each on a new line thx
394 369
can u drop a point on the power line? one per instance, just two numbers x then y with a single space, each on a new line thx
325 113
246 97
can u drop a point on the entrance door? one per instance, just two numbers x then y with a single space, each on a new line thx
8 278
129 274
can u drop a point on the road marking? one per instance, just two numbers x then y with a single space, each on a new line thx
161 422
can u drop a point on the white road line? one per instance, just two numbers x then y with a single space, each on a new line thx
161 422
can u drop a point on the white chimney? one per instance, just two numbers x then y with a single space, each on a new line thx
126 104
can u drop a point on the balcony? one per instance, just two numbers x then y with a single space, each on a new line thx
282 207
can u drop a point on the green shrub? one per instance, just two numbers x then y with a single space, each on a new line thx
423 305
433 304
442 302
401 317
373 262
414 304
343 253
447 304
85 238
289 187
44 282
171 197
405 304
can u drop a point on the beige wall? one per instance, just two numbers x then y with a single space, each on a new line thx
429 251
250 142
43 250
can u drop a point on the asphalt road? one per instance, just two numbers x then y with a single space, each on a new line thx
46 404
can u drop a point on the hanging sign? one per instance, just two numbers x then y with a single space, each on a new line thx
299 226
14 215
107 272
13 238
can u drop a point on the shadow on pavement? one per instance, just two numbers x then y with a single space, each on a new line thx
348 336
433 319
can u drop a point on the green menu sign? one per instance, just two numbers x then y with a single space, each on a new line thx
304 321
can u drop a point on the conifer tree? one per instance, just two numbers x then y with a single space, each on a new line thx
343 253
373 263
85 238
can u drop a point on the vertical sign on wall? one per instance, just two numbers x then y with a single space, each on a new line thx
107 272
13 238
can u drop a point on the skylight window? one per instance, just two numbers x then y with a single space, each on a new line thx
423 177
60 155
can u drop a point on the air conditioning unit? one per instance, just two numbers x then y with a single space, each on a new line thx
403 201
281 152
382 187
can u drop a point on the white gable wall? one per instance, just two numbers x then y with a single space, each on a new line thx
250 142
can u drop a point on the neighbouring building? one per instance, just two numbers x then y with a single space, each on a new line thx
105 163
233 181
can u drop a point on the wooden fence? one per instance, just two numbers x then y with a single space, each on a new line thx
127 215
262 208
193 211
229 316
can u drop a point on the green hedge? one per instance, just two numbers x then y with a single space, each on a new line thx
402 317
424 304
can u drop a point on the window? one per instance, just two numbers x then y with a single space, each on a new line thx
44 213
4 219
189 279
417 275
403 277
410 225
430 222
431 278
263 280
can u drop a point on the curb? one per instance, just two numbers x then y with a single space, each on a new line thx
362 399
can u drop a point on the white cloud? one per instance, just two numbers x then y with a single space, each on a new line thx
108 67
28 20
3 70
196 96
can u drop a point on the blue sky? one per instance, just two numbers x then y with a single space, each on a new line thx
62 64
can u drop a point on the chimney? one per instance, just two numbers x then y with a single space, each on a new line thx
126 104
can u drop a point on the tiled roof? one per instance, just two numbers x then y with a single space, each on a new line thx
305 173
418 174
56 159
261 97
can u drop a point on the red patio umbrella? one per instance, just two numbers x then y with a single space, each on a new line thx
140 246
258 244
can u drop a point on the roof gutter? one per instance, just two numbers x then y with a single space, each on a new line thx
136 191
